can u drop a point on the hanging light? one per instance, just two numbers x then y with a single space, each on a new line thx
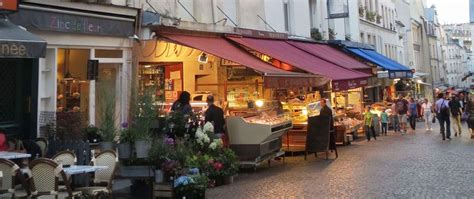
202 58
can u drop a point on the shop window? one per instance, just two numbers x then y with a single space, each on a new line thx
101 53
73 87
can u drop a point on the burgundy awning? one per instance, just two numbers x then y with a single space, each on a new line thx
222 48
285 52
332 55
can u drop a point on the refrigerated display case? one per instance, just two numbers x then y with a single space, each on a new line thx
255 134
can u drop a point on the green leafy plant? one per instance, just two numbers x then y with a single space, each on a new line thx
316 34
332 34
107 120
126 136
145 113
361 11
370 16
230 162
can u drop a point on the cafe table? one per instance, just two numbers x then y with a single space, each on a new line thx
80 169
13 155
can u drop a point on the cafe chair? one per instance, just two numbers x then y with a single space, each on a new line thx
43 144
103 177
12 173
45 180
65 158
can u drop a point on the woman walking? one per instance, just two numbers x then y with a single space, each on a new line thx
412 112
427 109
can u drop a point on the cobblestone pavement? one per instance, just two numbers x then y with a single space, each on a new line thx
418 165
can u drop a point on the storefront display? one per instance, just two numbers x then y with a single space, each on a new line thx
257 133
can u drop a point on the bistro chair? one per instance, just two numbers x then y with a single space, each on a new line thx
43 144
45 180
65 158
103 177
11 172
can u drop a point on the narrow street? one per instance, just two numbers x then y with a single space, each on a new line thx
417 165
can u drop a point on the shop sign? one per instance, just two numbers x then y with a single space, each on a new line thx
226 62
348 84
22 49
260 34
8 6
382 74
400 74
59 22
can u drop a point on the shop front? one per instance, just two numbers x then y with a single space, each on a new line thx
244 85
86 55
20 52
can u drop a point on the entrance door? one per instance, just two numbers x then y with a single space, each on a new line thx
107 91
18 92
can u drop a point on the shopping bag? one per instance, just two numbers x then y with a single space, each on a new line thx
433 120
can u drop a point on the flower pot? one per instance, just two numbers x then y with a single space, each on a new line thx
192 194
219 181
228 180
124 150
142 148
107 146
159 176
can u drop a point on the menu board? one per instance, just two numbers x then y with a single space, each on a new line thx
317 139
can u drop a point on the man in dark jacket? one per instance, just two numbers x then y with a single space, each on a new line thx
215 115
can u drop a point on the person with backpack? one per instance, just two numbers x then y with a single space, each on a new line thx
442 113
402 110
456 111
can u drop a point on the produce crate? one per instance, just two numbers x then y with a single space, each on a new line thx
162 190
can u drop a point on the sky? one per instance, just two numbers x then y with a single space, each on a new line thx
451 11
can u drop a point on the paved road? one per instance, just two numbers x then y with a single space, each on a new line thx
418 165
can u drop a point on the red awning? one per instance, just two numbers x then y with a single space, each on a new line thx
332 55
222 48
285 52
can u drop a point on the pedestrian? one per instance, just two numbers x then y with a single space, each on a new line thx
456 111
215 115
182 105
427 110
442 113
412 114
368 123
470 111
384 121
402 110
394 116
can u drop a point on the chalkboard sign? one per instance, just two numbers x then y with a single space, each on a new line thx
318 136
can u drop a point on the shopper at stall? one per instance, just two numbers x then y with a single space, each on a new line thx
402 110
384 121
182 104
215 115
470 111
456 111
326 112
394 117
412 114
427 110
368 123
442 113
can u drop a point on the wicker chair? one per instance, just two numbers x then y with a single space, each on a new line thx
43 144
45 180
103 178
65 158
11 172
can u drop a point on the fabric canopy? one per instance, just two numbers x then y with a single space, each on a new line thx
332 55
222 48
396 70
342 77
16 42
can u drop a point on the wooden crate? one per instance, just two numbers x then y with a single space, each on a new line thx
162 190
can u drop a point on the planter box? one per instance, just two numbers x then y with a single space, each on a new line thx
162 190
137 171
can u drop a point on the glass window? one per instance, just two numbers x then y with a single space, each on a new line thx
102 53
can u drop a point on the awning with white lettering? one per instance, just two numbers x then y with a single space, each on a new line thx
15 42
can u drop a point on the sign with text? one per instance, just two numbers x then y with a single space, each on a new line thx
348 84
8 5
59 22
260 34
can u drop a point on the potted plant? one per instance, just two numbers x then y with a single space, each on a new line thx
361 11
191 185
92 133
230 165
146 112
107 118
125 145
